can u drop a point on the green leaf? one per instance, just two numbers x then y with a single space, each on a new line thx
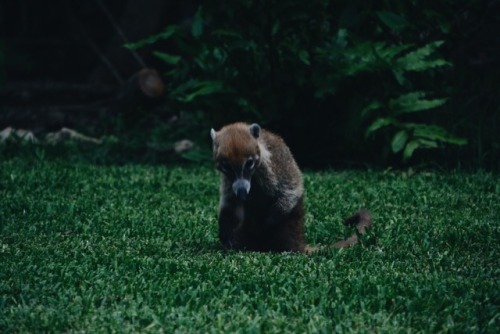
389 52
413 102
399 140
374 105
437 133
304 57
398 74
415 144
426 143
410 148
361 58
168 58
369 56
166 34
393 21
197 25
341 39
199 88
422 105
417 60
380 123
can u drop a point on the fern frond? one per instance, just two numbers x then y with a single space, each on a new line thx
413 102
165 34
417 60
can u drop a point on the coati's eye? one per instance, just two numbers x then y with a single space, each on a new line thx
224 166
250 163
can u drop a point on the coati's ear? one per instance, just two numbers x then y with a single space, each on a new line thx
255 130
212 133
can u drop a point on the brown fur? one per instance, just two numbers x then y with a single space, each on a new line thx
237 141
271 218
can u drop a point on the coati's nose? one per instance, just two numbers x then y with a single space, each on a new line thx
241 188
241 194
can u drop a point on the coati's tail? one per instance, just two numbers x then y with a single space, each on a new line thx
361 220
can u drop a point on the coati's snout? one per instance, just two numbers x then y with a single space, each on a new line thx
241 188
237 155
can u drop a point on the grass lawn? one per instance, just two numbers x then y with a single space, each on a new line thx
134 249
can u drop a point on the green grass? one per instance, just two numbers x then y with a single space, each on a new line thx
134 249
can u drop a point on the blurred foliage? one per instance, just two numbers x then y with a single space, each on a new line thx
322 73
346 83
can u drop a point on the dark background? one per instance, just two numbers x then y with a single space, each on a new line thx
306 70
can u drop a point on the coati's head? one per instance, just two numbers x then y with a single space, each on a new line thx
237 154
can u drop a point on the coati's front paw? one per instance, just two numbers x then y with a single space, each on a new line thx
229 243
226 241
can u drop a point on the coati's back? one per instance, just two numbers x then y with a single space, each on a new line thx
261 204
280 174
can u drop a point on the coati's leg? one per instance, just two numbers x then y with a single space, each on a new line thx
286 235
229 219
289 238
290 233
279 232
279 238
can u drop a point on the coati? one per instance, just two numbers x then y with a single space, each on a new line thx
262 193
